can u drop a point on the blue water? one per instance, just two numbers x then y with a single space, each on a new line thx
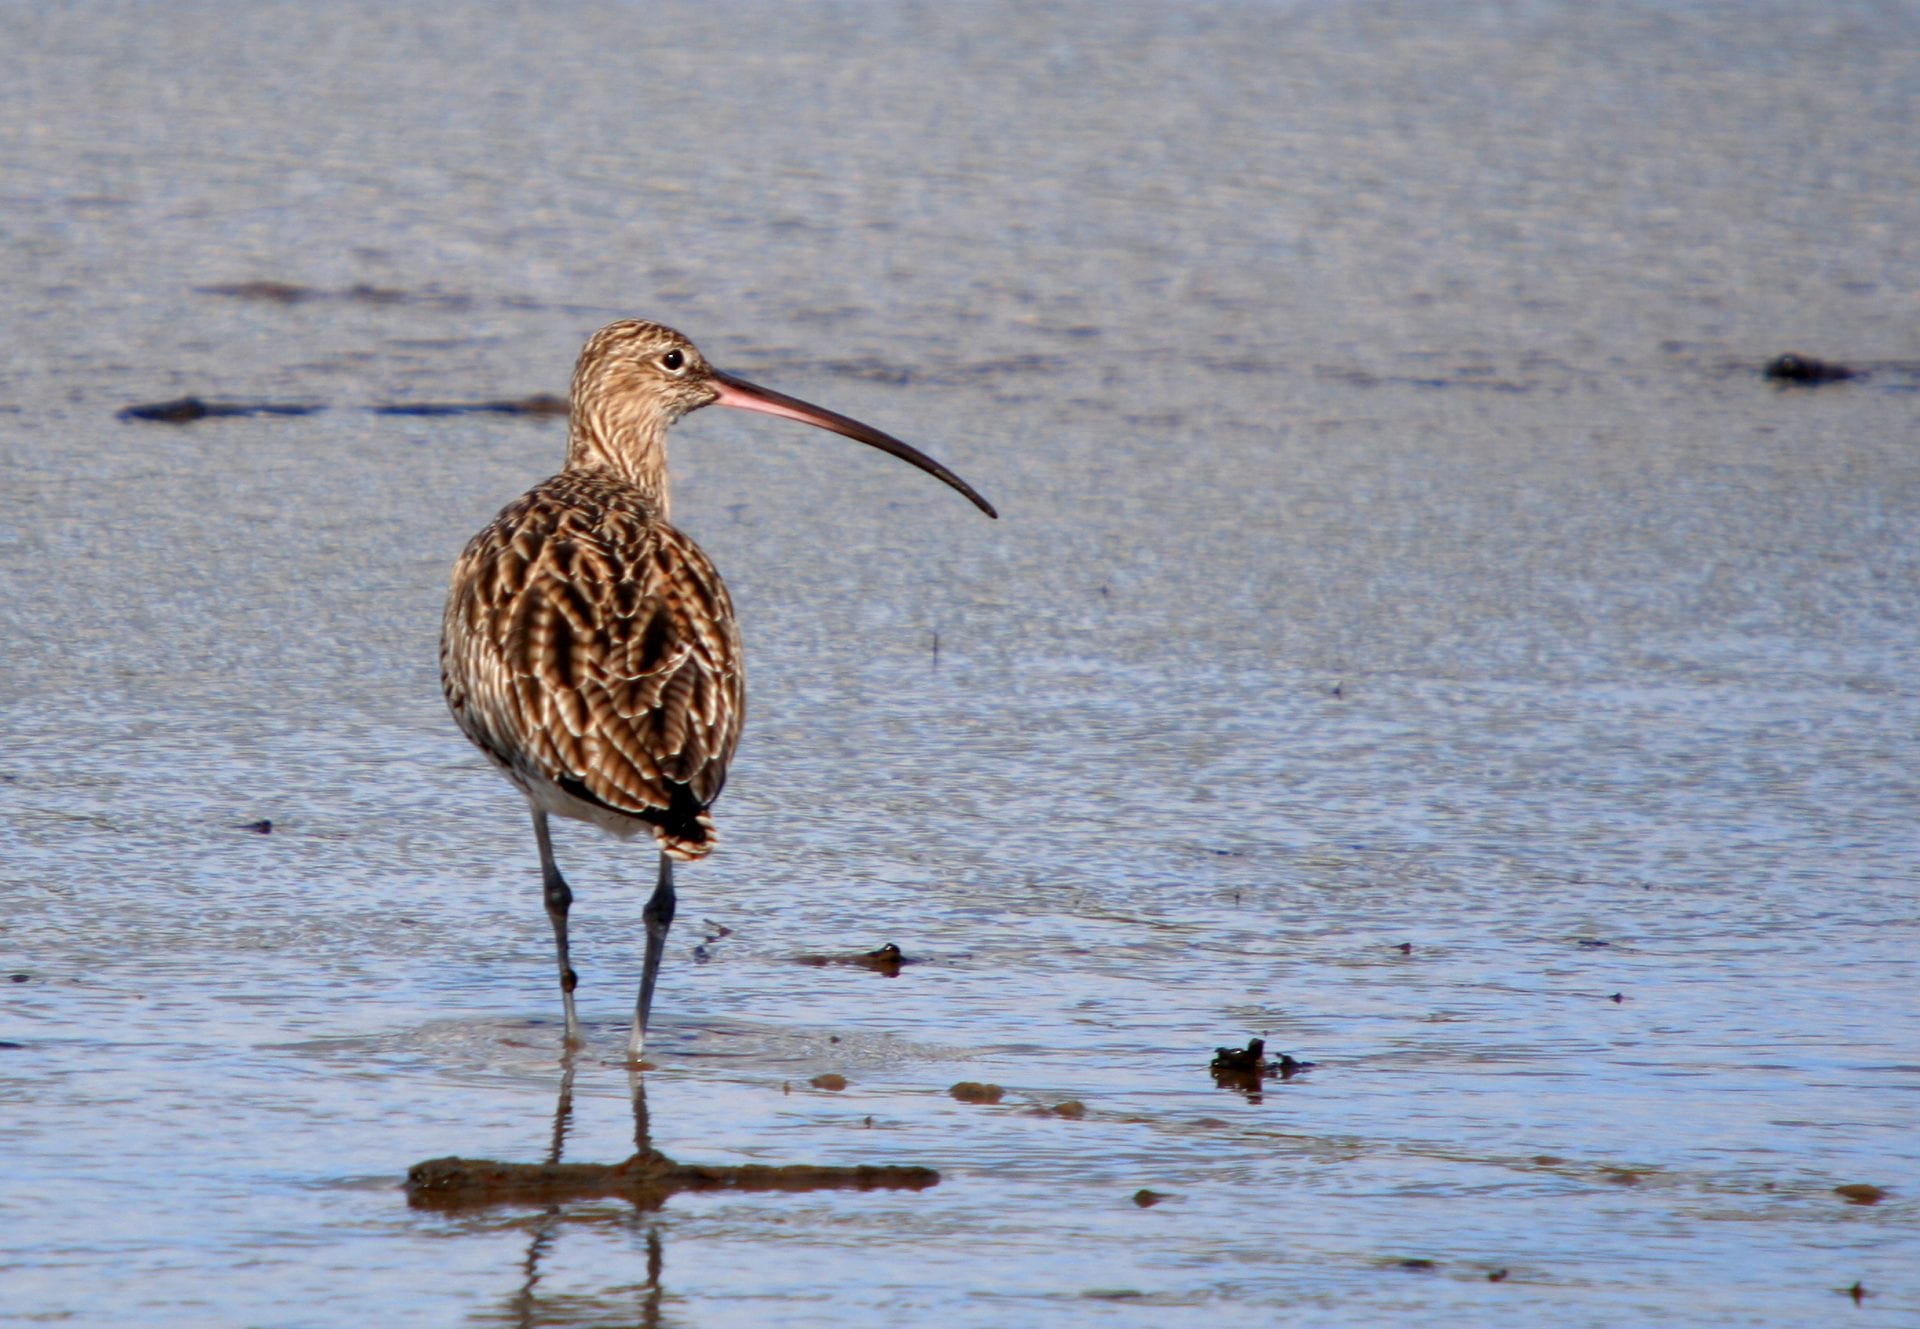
1400 546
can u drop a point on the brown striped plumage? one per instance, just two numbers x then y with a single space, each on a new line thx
591 651
589 648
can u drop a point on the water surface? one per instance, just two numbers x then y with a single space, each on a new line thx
1416 635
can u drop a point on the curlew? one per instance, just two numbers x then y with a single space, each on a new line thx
589 648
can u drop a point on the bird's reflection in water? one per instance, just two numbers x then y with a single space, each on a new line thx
564 1193
526 1308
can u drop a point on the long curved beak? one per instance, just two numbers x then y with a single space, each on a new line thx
745 396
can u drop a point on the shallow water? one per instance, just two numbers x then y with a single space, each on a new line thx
1400 547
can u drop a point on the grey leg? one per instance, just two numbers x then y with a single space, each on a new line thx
659 917
559 900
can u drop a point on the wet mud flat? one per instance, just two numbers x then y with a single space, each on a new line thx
1455 1070
1436 634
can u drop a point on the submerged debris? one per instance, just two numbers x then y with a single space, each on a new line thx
280 292
647 1179
887 961
1070 1110
540 406
972 1091
1860 1192
1791 368
1245 1068
185 410
288 293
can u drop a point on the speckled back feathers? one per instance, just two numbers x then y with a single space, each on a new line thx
590 647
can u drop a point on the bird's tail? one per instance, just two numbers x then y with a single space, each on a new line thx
684 830
685 846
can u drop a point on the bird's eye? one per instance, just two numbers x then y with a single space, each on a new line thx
674 361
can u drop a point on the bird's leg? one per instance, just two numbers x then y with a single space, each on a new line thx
659 917
559 900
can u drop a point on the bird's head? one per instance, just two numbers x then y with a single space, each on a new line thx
635 379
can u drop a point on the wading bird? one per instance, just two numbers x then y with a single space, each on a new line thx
589 648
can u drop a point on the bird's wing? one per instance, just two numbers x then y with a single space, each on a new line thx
598 649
